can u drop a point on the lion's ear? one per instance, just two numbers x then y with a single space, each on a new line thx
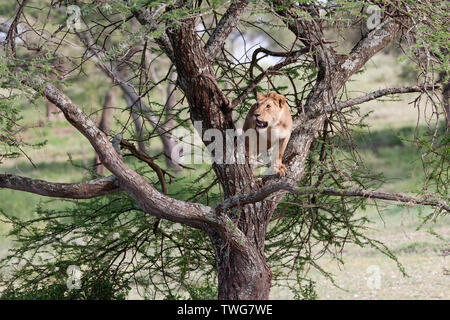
272 95
281 100
260 96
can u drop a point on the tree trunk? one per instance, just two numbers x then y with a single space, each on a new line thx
241 276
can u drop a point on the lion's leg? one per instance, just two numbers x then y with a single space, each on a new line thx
251 152
277 165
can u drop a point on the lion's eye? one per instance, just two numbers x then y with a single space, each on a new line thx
268 106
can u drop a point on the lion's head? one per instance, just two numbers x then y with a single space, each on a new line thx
268 110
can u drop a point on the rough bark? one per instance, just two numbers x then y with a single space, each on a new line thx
81 190
224 27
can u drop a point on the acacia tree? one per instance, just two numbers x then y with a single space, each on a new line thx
217 86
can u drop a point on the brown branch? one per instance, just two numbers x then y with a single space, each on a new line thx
224 27
81 190
369 45
375 95
263 193
12 32
142 156
196 75
284 186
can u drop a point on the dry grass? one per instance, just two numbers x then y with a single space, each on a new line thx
418 251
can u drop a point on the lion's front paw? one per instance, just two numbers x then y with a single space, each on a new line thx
281 172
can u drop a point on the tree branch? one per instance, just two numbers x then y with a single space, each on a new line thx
375 95
262 194
365 49
225 26
142 156
304 29
207 101
81 190
280 186
369 45
378 195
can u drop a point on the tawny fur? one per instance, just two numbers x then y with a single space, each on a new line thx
271 119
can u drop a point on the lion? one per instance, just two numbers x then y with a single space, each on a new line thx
271 119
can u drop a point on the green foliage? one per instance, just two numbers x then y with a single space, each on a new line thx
305 291
97 289
114 244
207 291
11 145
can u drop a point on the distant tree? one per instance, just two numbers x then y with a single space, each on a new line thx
245 233
105 123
